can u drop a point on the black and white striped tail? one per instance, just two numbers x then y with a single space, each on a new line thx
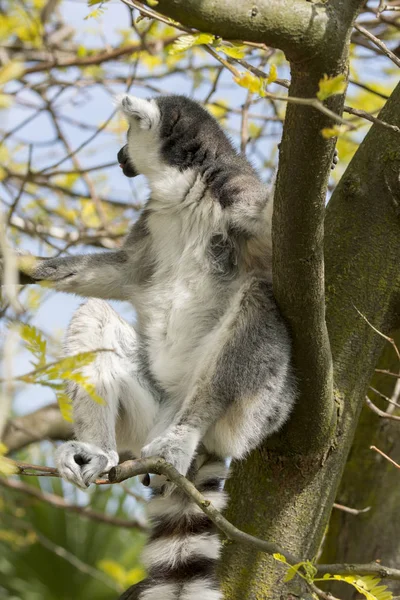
184 546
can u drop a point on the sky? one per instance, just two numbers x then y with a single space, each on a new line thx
56 310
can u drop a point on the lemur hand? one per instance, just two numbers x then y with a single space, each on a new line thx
81 463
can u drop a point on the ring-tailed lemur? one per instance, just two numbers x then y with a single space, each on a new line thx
205 373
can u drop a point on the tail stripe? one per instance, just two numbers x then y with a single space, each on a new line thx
188 525
183 547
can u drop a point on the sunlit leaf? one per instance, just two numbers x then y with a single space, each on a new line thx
11 70
251 82
329 86
335 131
65 405
34 343
184 42
232 51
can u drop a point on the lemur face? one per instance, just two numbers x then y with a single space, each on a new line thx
167 134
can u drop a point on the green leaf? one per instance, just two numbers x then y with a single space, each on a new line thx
251 82
34 343
232 51
65 405
335 131
329 86
367 585
11 70
184 42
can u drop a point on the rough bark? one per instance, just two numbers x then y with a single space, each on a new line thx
300 28
44 423
370 480
292 492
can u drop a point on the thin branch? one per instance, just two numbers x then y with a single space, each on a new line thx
385 337
96 59
59 502
385 456
43 424
365 115
351 511
158 466
383 48
379 412
389 400
320 593
388 373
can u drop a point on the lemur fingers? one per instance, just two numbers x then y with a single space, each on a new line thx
81 463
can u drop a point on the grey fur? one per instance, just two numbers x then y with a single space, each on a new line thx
209 359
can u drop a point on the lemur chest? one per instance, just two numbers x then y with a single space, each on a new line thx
181 312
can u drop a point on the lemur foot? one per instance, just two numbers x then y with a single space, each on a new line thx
177 447
81 463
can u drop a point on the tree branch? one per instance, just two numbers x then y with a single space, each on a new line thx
59 502
44 423
256 22
158 466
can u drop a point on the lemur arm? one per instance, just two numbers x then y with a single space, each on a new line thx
107 275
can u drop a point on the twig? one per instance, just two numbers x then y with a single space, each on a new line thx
389 400
365 115
59 502
351 511
385 337
159 466
388 373
379 412
384 49
320 593
385 456
95 59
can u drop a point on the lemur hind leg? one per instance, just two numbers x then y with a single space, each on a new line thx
129 406
243 389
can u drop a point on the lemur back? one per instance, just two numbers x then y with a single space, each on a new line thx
205 373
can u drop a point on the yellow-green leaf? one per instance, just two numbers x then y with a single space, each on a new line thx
366 585
329 86
335 131
273 74
184 42
65 405
233 51
7 467
6 100
121 575
152 3
34 343
11 70
251 82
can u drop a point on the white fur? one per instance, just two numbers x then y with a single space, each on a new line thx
173 550
169 507
163 591
200 590
186 318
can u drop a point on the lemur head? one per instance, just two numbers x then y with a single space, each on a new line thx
169 131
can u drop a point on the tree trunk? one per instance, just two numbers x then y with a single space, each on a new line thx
285 495
370 480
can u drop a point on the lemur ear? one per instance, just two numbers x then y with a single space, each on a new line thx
145 112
